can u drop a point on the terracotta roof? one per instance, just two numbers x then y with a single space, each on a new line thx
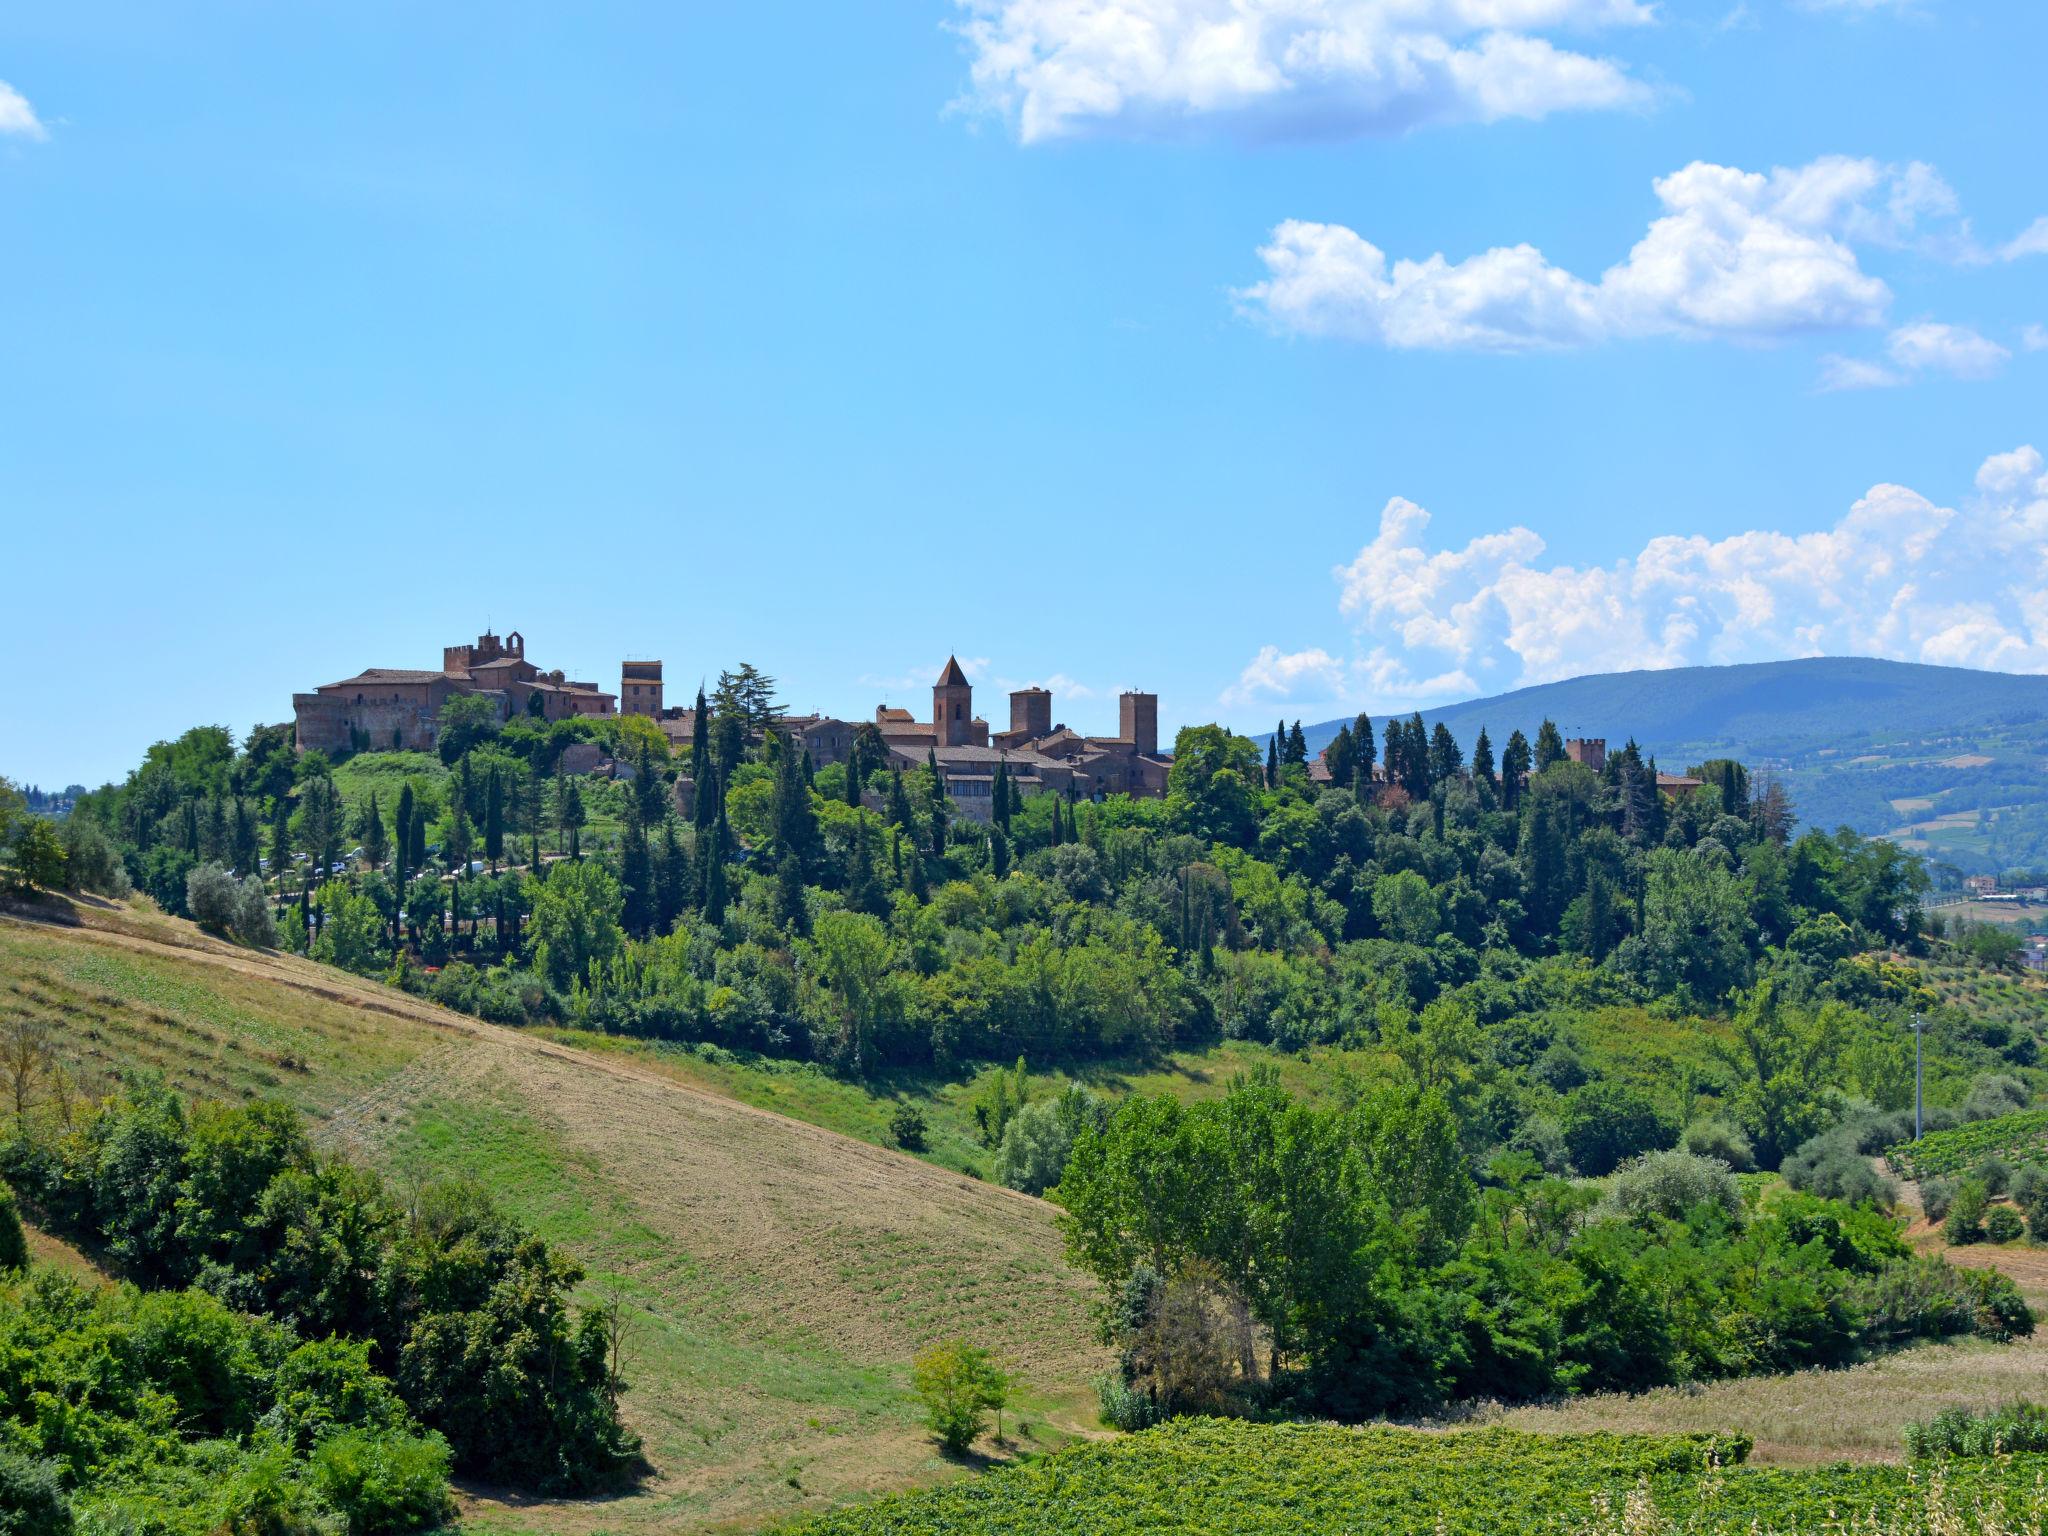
952 677
386 675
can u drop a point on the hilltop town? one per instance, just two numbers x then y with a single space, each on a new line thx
399 709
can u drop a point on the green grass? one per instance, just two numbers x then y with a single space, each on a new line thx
1206 1475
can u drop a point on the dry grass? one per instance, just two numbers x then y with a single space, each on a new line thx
782 1274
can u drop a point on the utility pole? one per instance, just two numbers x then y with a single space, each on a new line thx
1919 1025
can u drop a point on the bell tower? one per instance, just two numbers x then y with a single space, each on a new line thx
952 706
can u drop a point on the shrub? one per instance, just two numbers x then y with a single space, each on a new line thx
907 1126
383 1483
2003 1224
212 898
32 1501
1543 1139
1605 1124
1994 1174
254 923
2004 1431
1123 1405
13 1242
1965 1220
1722 1140
1831 1166
1995 1094
1669 1184
1936 1195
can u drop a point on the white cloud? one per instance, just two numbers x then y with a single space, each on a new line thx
1838 372
1735 253
1951 349
2031 241
1926 346
17 117
2035 338
1897 575
1288 68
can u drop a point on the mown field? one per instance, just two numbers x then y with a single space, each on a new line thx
781 1277
1206 1475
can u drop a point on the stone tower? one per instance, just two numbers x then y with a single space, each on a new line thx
1138 721
1031 713
640 688
952 707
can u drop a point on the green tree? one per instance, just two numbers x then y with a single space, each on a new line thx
37 855
1209 787
1514 769
959 1385
575 923
466 721
1549 747
494 818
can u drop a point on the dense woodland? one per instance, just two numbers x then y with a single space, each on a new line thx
1532 975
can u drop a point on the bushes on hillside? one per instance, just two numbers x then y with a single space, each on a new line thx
465 1311
1352 1241
2011 1430
167 1412
223 905
13 1242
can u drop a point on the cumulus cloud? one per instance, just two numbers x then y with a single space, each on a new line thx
2035 338
17 117
1927 346
1735 253
1288 68
1951 349
1897 575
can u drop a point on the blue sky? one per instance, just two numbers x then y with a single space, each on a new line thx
1096 340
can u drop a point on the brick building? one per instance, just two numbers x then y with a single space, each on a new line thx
399 709
1039 754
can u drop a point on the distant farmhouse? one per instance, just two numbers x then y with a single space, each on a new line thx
396 709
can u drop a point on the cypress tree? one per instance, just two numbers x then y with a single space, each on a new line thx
281 843
700 737
636 875
1514 769
1297 747
863 889
1341 757
999 852
245 837
671 878
714 874
1363 745
1445 759
1482 761
896 855
1273 754
494 819
999 794
1056 838
1549 746
899 800
853 780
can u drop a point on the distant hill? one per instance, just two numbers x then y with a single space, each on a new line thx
1952 762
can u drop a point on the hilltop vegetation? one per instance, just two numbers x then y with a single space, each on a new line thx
1946 759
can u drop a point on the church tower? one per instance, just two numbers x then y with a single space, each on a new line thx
952 707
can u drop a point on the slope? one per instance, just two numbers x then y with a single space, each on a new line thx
781 1275
1948 760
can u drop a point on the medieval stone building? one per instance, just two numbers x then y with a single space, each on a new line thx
399 709
1037 754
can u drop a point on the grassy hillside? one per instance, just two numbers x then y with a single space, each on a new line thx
1947 760
781 1275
